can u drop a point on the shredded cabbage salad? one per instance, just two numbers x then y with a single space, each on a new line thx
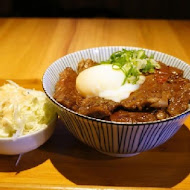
23 111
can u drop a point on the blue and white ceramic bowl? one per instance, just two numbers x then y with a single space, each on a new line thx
113 138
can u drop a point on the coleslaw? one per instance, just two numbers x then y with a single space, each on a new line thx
23 111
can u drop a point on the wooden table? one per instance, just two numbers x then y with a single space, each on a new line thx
29 46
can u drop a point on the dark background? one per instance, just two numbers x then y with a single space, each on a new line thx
164 9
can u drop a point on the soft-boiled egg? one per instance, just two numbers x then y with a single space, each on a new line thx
106 82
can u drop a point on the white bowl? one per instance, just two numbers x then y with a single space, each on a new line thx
26 143
113 138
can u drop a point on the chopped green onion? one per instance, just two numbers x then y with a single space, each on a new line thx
132 63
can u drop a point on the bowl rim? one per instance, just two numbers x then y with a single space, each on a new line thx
60 106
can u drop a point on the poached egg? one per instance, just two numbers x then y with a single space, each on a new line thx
106 82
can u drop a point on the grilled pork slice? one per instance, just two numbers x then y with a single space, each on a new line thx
167 73
180 98
97 107
65 90
85 64
125 116
149 93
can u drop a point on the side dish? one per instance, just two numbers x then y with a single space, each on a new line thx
23 111
129 87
